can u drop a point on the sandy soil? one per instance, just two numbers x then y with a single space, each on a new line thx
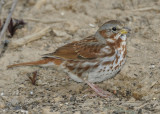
136 87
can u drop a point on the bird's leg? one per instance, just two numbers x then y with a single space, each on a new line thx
98 90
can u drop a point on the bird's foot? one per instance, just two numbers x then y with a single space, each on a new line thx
99 91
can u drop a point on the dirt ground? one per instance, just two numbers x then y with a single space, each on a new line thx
136 88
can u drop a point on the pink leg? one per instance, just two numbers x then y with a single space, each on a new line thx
98 90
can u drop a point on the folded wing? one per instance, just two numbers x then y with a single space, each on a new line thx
88 48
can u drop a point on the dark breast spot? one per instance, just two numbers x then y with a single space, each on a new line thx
96 65
124 54
80 74
86 68
108 62
117 58
118 42
116 67
70 67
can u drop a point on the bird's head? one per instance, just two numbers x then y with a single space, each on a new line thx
112 31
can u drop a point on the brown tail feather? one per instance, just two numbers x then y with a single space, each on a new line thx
40 62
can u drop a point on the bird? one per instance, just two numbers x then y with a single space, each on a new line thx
93 59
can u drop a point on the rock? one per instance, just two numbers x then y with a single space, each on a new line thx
58 99
31 2
60 33
73 26
14 101
46 110
77 112
49 8
72 99
2 105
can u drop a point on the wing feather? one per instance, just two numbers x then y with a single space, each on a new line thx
88 48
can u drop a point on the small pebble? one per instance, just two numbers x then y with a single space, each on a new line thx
62 13
2 94
77 112
14 101
2 105
31 92
154 98
24 111
91 25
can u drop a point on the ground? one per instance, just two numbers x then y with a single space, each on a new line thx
136 89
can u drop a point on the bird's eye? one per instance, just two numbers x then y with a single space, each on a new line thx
114 28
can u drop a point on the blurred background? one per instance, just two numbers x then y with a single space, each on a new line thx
53 23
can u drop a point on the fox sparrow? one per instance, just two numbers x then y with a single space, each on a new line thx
93 59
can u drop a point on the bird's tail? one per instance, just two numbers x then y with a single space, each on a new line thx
40 62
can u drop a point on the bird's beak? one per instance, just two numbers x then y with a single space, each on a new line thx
125 30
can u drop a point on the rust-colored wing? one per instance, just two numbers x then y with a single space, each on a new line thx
85 49
88 50
65 52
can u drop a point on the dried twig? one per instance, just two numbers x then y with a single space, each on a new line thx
27 39
8 18
14 24
39 4
44 21
148 9
3 47
1 5
141 106
33 78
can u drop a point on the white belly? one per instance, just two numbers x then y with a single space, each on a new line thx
103 73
